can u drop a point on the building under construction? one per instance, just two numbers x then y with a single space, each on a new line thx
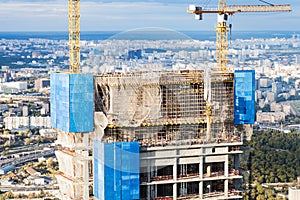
156 135
188 146
151 135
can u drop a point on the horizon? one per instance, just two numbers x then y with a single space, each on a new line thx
146 34
117 15
90 31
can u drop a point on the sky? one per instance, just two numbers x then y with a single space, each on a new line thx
122 15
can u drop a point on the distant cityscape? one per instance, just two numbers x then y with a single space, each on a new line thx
26 64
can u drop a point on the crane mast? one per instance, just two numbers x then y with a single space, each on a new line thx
74 35
222 38
223 11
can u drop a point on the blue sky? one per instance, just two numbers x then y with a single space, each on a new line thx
98 15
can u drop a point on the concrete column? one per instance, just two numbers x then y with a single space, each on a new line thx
174 191
86 139
226 188
208 170
86 184
201 189
175 169
226 166
175 179
201 163
85 168
149 171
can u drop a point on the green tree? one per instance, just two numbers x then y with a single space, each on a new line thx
31 195
292 129
273 157
40 139
50 163
27 141
7 143
261 197
8 195
41 194
3 153
270 193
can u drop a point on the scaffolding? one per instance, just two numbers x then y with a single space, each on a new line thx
165 106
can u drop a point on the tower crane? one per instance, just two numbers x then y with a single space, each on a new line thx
223 12
74 35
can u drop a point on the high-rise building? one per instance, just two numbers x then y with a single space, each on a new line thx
154 135
187 148
72 111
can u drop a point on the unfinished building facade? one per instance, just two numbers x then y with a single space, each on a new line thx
183 122
72 116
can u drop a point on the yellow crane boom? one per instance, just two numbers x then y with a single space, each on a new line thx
259 8
222 31
245 8
74 35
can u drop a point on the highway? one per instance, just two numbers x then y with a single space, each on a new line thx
24 97
275 128
26 158
15 188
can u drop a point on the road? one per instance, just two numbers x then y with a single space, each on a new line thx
30 157
23 188
24 97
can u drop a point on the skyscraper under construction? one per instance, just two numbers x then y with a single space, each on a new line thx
157 135
163 140
149 134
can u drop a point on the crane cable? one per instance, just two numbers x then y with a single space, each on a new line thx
205 3
266 2
230 27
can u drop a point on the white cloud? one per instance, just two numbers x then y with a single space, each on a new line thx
125 15
31 15
31 9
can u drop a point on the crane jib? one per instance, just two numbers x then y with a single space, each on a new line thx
222 31
244 8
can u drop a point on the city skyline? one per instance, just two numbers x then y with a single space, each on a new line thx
104 15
